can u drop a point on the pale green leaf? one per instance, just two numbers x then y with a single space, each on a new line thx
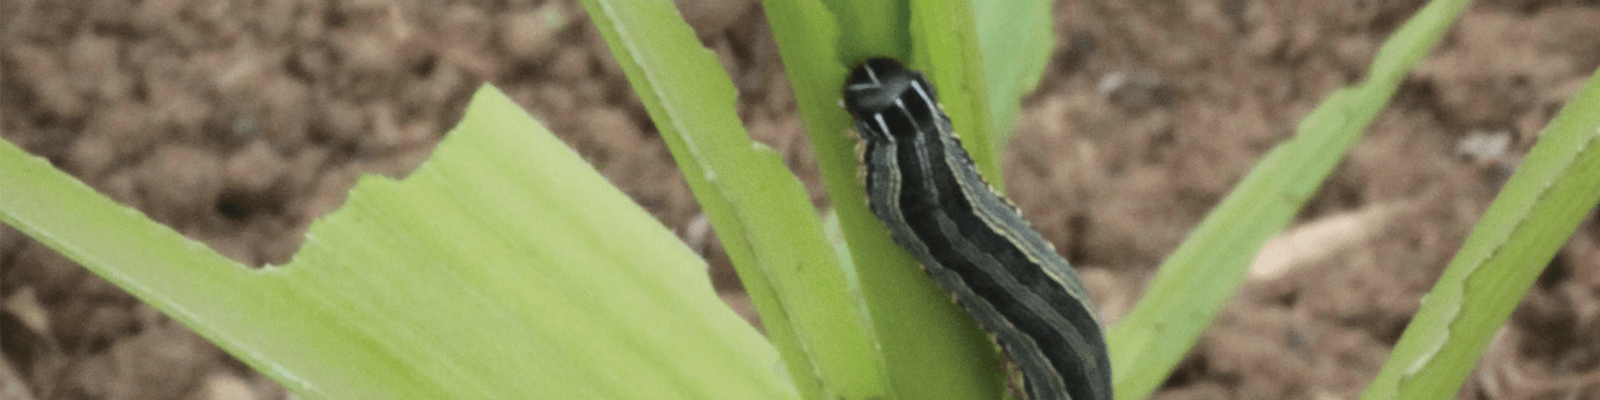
930 347
503 268
1534 214
759 209
1017 39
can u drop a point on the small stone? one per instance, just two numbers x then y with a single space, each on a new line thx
571 64
527 36
611 129
1480 146
288 110
91 156
558 99
224 386
256 168
1135 90
342 121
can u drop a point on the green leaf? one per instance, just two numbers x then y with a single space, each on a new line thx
930 347
759 209
1017 38
945 39
1207 269
502 268
1539 208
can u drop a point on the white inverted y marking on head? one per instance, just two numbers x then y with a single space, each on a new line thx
873 75
866 85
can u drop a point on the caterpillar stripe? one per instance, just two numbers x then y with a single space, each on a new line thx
924 187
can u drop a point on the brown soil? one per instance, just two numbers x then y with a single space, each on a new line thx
237 123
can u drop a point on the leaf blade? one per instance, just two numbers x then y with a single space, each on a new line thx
1532 217
403 293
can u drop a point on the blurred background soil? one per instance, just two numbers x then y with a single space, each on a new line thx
239 122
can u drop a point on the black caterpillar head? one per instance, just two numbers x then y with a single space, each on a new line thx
874 85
